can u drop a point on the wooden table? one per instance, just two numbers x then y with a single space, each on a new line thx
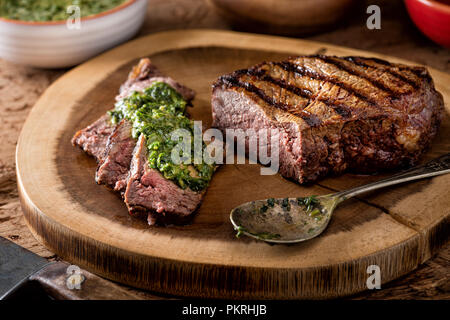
21 86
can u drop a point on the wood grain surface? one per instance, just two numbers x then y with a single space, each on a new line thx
21 86
89 225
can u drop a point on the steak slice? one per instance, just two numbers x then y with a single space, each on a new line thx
94 137
333 113
149 193
113 169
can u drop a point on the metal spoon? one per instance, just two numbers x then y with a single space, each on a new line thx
292 220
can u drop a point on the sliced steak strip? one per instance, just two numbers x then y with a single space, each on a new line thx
93 139
113 170
148 193
333 114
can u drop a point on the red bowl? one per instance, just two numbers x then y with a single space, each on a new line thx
432 18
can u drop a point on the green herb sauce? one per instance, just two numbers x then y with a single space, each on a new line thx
308 202
312 207
52 10
157 112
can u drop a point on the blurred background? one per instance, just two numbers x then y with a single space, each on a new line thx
398 35
340 22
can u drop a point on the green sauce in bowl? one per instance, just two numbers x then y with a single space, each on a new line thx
52 10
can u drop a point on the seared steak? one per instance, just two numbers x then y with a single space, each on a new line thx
114 148
149 193
333 114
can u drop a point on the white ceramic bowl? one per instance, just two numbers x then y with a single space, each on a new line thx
54 45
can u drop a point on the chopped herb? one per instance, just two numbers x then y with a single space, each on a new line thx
285 204
263 235
308 202
315 212
264 208
271 202
240 230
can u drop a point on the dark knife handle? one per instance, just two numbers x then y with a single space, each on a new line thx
53 278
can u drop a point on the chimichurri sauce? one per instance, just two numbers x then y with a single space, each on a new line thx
157 112
52 10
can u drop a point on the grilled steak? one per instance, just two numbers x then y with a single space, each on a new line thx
333 114
114 148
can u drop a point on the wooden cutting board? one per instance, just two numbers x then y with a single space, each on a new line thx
396 228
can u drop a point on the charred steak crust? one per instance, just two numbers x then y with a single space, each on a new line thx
333 113
116 150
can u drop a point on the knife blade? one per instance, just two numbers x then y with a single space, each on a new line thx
18 266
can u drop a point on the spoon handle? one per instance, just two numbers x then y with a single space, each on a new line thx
435 167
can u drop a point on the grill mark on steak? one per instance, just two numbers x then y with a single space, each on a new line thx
341 109
302 71
358 61
419 72
262 75
376 83
233 80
